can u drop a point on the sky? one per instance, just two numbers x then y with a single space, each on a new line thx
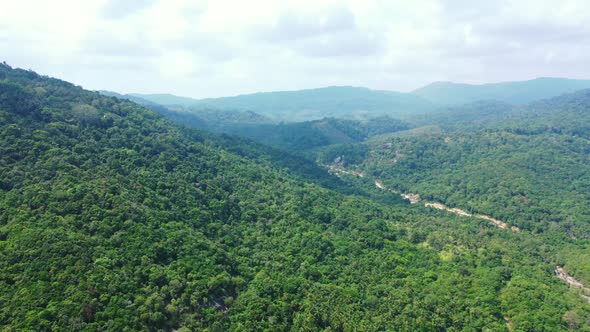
220 47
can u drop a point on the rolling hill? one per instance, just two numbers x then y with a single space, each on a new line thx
311 104
518 92
113 218
292 137
362 103
528 164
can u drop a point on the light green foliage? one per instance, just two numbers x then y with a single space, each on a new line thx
130 223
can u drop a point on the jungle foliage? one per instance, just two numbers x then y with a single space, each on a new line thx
112 218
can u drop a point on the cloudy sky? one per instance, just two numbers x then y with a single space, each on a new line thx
221 47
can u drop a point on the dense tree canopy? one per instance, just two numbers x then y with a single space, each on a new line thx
112 218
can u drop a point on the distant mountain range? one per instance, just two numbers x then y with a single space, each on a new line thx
311 104
112 217
520 92
362 103
155 106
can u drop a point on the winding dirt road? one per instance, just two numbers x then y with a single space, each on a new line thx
415 198
561 274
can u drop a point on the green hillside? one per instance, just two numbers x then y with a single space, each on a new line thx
114 219
472 115
164 99
527 165
294 137
518 92
312 104
135 99
304 136
362 103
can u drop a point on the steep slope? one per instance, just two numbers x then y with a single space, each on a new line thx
525 166
302 105
216 120
520 92
111 218
567 115
164 99
221 121
305 136
135 99
472 115
294 137
529 167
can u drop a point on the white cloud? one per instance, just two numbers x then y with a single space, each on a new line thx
223 47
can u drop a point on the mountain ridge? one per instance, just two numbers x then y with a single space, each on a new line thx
515 92
112 218
310 104
354 102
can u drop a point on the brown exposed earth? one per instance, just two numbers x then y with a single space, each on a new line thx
415 198
562 274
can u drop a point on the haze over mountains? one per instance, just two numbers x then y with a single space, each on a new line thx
295 166
521 92
342 101
316 117
112 217
359 103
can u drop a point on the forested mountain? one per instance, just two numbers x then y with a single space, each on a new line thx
311 104
216 120
363 103
526 164
290 136
567 115
164 99
519 92
304 136
133 98
112 218
472 115
294 137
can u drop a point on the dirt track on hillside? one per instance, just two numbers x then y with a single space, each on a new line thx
415 198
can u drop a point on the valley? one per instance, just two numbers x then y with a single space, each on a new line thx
295 166
415 198
114 217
